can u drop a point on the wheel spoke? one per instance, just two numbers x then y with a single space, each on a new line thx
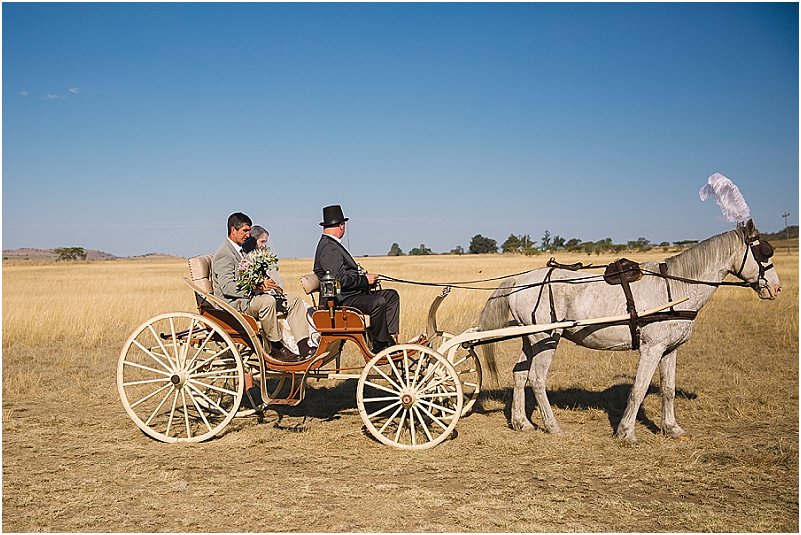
394 368
387 398
412 426
173 365
400 425
175 344
422 423
382 387
439 395
435 406
388 379
158 408
207 399
440 382
200 349
214 356
434 418
186 415
386 424
385 409
152 355
185 347
147 397
434 369
172 413
211 386
199 410
146 381
147 368
221 374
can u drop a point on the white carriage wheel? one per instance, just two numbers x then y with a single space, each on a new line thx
468 367
180 377
410 402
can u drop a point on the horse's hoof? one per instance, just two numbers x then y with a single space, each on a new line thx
522 426
626 439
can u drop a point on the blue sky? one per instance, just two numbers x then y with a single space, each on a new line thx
136 128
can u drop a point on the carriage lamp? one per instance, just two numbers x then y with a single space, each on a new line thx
329 290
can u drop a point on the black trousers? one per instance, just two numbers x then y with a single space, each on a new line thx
383 306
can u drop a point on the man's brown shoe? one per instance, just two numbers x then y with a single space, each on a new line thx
281 352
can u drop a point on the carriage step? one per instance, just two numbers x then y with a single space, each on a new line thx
289 402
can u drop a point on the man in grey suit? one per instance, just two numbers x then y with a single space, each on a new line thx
261 306
383 306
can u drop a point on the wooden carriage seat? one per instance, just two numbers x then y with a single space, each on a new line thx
311 285
200 276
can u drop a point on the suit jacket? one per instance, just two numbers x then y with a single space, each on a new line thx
331 256
223 276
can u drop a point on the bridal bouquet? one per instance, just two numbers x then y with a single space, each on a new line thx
253 268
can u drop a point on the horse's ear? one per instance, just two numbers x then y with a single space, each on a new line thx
750 229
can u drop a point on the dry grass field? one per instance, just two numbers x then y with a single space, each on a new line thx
73 461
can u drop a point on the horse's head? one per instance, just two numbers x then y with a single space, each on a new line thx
756 267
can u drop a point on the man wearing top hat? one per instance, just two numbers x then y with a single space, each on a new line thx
383 306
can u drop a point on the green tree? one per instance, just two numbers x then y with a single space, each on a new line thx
480 245
511 245
395 250
641 244
70 253
457 250
546 240
422 250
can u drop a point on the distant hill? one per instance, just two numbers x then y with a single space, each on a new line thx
49 254
91 254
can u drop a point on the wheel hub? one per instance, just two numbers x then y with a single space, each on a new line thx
408 399
178 380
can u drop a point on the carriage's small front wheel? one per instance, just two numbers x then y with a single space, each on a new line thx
180 377
468 367
409 397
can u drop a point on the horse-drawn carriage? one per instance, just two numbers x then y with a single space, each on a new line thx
181 376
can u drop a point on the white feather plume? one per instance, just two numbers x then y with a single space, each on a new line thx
728 197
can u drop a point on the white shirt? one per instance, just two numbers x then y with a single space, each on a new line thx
237 247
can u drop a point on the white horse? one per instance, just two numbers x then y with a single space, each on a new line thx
532 299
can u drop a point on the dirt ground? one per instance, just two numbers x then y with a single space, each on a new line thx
73 461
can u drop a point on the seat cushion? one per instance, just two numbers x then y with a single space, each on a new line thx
310 283
200 272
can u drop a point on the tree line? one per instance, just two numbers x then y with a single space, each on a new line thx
524 244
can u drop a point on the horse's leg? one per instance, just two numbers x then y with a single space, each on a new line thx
538 376
667 375
520 421
649 358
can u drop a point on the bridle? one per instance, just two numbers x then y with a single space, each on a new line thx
762 251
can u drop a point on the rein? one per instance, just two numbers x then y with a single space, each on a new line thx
582 280
761 251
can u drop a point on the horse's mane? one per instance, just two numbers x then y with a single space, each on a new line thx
716 250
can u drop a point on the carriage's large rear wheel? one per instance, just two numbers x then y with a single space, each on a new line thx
180 377
411 401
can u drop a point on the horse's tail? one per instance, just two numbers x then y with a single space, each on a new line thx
493 316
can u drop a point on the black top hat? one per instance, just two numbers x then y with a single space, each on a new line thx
332 216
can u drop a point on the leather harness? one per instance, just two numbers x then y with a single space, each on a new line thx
620 272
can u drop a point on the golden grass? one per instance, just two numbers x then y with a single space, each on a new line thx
73 461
